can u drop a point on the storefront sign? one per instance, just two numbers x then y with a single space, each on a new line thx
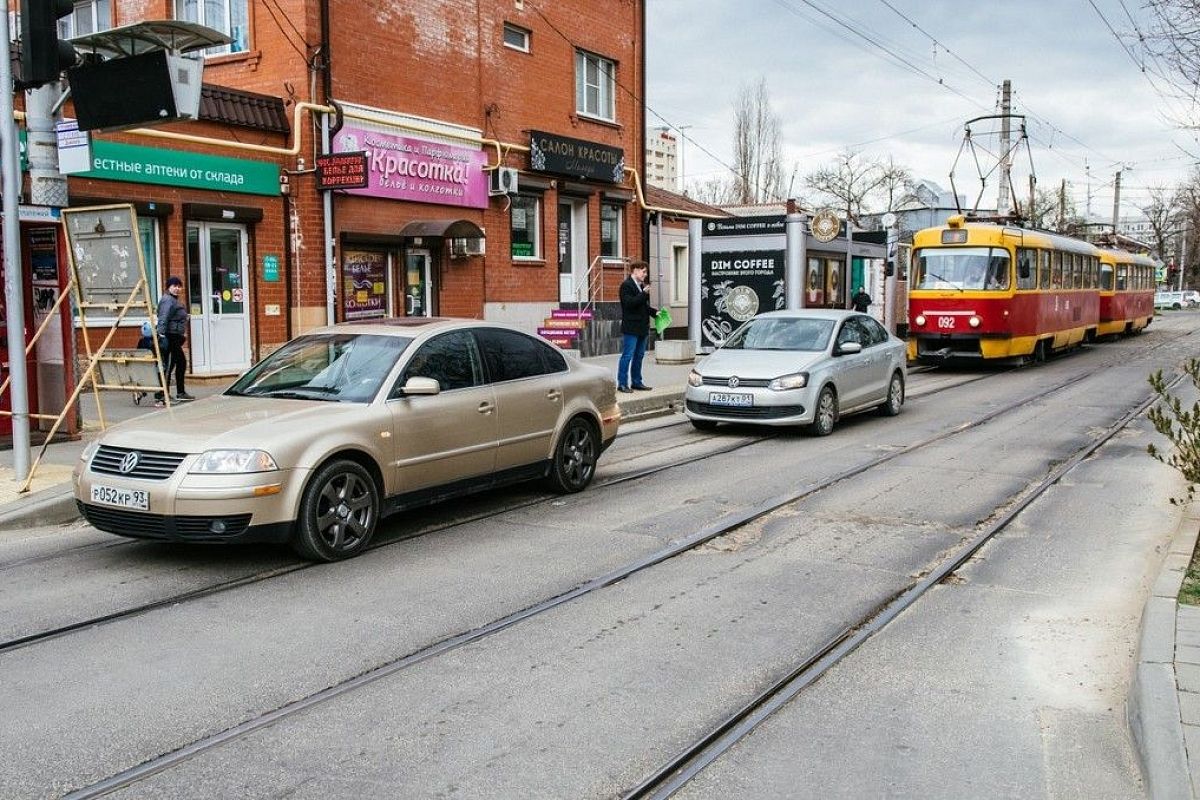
746 226
419 170
270 268
735 287
113 161
576 158
342 171
364 280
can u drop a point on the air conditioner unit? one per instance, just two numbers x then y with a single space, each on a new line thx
465 248
503 181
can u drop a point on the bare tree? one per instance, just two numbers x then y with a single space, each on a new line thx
896 181
717 191
1044 213
757 146
1172 45
849 180
1163 214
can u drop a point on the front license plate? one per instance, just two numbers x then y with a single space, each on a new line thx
723 399
125 498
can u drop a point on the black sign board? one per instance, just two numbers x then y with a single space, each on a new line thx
342 171
746 226
576 158
736 286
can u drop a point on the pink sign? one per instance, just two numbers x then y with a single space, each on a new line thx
417 169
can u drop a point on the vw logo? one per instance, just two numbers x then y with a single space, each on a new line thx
733 382
129 462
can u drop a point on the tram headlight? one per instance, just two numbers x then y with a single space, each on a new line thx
974 322
920 320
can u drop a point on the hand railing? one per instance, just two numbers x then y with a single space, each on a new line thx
591 288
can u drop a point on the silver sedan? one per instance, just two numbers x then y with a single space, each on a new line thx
806 367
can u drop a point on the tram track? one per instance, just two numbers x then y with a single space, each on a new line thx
708 748
682 545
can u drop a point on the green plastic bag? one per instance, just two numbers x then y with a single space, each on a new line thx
661 320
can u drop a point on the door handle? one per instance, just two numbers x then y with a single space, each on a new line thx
486 408
554 394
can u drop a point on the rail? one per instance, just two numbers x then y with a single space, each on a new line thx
593 285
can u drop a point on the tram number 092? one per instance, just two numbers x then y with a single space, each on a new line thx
945 322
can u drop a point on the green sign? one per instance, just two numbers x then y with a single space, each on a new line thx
113 161
23 138
270 268
522 249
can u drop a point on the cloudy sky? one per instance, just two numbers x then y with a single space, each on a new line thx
1090 110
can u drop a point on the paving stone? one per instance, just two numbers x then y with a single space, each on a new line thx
1187 638
1187 677
1189 709
1187 654
1191 740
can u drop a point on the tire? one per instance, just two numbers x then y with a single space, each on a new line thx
574 462
826 413
895 396
1176 307
704 425
338 512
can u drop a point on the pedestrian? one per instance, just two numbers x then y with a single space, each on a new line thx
172 326
861 300
636 312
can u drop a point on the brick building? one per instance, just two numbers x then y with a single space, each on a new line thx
440 94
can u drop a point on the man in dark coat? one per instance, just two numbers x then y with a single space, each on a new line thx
636 312
172 327
861 300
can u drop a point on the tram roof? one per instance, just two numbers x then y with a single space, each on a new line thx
1125 257
1028 237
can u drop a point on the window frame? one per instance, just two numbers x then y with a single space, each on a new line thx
226 27
481 332
605 88
619 238
1030 255
474 355
67 28
679 288
525 33
536 230
1044 259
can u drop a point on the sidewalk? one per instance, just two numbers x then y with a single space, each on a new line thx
50 501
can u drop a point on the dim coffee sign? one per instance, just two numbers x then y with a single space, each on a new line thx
576 158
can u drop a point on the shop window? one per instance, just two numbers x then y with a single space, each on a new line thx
228 16
679 271
88 16
516 37
525 225
595 79
610 230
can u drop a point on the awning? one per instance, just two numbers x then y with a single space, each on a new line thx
446 228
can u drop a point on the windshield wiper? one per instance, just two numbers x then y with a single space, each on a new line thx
935 276
320 388
292 394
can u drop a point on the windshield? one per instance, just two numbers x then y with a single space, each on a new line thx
962 268
343 367
781 333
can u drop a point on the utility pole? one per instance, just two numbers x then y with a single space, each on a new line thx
682 145
13 296
1116 202
1087 217
1032 197
1182 257
1002 201
1062 205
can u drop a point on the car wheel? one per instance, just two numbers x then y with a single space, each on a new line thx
574 462
826 416
337 513
895 396
704 425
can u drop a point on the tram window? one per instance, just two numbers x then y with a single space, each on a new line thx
1106 277
961 268
1044 269
1026 268
1089 279
1122 277
1056 274
1076 271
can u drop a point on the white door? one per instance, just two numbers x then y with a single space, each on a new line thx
416 284
218 298
572 251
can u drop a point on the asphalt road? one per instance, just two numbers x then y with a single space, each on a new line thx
1007 680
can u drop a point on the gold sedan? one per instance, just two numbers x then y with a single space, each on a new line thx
349 423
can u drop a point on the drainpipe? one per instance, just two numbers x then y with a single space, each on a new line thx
330 264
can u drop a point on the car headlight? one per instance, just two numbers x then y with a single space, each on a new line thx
797 380
233 461
694 379
89 450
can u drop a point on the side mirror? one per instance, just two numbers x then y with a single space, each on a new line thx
420 386
848 348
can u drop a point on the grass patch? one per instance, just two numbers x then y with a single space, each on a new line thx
1189 592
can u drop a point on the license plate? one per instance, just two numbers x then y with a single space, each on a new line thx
723 399
125 498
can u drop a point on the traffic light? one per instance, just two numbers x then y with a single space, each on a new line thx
43 56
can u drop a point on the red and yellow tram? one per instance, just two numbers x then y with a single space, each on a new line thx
1126 292
985 291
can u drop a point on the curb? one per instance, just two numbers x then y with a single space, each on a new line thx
52 506
1152 708
56 504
